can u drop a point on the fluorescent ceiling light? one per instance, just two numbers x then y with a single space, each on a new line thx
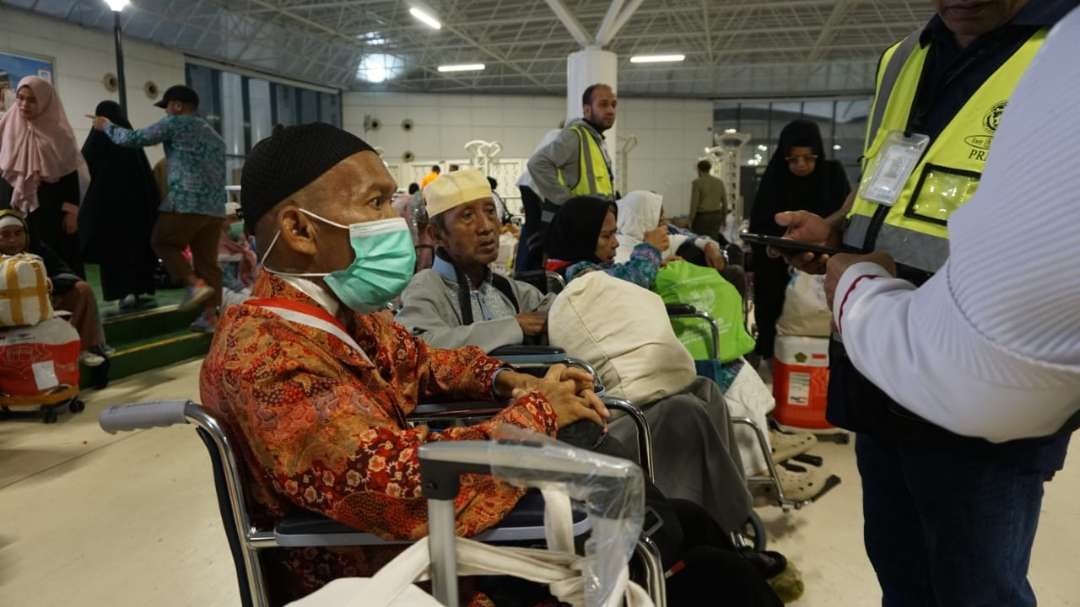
372 38
117 5
462 67
425 18
730 131
657 58
378 67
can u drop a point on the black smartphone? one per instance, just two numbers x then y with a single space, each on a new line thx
786 244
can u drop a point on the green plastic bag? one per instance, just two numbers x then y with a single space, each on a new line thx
704 288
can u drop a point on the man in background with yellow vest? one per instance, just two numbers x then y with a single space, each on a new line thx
576 162
949 519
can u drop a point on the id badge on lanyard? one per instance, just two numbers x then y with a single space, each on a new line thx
893 167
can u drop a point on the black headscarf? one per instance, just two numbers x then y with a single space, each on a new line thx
573 232
822 192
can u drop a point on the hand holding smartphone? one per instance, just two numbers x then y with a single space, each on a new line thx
787 245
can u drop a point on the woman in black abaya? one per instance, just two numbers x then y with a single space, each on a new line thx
118 214
798 178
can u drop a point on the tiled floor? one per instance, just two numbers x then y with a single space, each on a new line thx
91 519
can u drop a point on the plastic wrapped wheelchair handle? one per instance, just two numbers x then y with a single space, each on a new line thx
441 463
122 418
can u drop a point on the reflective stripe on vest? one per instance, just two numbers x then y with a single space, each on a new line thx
594 176
915 229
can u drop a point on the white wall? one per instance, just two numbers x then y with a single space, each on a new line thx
81 58
672 133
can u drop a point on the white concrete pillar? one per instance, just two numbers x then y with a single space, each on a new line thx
590 66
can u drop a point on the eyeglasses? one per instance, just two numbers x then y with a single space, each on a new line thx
805 158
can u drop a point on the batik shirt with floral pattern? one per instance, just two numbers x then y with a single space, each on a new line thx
322 427
194 162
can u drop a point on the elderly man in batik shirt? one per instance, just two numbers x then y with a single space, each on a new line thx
314 384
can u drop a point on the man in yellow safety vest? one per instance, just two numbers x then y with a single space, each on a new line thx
949 519
576 162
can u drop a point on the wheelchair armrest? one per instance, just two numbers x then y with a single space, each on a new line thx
641 425
681 310
145 415
532 356
523 350
456 409
687 310
524 523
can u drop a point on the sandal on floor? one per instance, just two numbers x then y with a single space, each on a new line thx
786 445
799 486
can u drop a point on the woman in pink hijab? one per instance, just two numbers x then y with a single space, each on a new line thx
43 172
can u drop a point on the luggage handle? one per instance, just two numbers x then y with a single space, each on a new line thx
121 418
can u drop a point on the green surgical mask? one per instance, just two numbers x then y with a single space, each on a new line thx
383 263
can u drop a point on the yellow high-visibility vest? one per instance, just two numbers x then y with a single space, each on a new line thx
915 228
594 176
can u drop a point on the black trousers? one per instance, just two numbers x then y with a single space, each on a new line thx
771 278
530 253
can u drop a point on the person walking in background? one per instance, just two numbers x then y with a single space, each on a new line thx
798 178
44 175
193 211
7 97
530 252
436 170
708 202
118 214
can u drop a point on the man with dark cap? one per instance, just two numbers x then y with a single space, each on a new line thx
313 379
192 213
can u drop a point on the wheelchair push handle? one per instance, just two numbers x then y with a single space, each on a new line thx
121 418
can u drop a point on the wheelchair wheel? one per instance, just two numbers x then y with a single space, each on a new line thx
754 531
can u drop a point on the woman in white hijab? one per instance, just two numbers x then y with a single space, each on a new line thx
641 212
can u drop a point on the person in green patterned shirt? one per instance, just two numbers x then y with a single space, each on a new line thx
192 212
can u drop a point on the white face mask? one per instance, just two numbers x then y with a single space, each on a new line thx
383 263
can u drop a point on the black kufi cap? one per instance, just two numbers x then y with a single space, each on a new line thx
289 159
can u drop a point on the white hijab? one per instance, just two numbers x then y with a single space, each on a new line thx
639 212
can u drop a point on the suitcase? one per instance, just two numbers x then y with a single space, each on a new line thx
39 370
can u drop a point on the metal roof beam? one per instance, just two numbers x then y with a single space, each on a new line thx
570 22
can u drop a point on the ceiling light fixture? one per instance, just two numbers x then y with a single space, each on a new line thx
372 38
657 58
837 147
117 5
462 67
425 18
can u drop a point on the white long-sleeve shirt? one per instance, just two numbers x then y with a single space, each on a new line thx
990 346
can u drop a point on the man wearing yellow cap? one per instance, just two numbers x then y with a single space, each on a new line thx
460 301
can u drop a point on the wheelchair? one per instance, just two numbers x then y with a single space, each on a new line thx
247 541
767 484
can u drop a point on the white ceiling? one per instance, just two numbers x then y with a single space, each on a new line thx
734 49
